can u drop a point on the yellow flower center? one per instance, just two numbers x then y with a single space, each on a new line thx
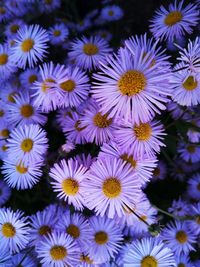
143 217
181 265
57 33
32 78
132 82
198 186
44 86
76 126
4 133
8 230
27 111
11 97
68 86
44 230
14 28
70 186
90 49
191 149
86 259
2 10
198 218
143 131
129 159
3 59
1 113
173 18
190 84
12 42
101 238
21 169
27 145
110 13
156 172
58 253
101 121
48 2
27 45
181 237
4 148
149 261
111 187
73 231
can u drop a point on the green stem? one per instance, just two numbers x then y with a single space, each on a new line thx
140 218
169 214
168 158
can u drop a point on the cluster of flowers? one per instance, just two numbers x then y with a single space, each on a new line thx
123 102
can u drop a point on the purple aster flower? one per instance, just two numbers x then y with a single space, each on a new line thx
189 152
148 252
73 129
46 93
110 187
179 207
21 176
194 187
130 87
14 230
13 27
195 223
42 223
18 8
7 66
141 166
29 76
190 56
111 13
48 6
20 258
97 127
30 46
77 226
83 25
106 239
5 13
184 261
143 208
175 21
179 237
58 249
186 89
192 133
62 116
58 33
5 129
10 90
104 34
74 88
89 52
68 180
140 139
27 144
23 111
176 110
150 47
